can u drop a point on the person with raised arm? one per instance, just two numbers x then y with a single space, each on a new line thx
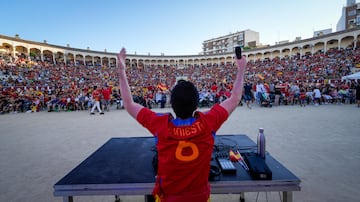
185 142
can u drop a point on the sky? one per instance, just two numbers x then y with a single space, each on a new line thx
169 27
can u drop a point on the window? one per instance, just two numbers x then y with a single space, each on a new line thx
358 20
352 13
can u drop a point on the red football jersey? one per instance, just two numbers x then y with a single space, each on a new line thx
184 152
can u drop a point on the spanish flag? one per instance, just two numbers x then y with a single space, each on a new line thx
162 86
260 76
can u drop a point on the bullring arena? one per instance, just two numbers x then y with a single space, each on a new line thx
318 143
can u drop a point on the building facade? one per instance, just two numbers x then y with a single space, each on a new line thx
226 44
15 47
350 17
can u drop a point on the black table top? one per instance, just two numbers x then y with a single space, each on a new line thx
129 160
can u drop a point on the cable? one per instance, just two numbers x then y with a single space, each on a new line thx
228 142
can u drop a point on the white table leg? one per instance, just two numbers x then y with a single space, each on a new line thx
287 196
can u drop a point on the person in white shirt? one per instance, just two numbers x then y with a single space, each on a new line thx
260 89
317 96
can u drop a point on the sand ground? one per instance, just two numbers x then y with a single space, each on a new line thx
318 144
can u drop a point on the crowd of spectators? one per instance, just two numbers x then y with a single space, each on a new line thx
30 85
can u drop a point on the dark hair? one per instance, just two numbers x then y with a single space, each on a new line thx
184 99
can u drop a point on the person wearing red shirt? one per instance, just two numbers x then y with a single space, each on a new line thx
149 99
227 94
214 87
96 96
106 96
185 142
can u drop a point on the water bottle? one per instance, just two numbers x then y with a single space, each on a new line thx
261 143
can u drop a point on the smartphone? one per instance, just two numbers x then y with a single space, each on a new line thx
238 52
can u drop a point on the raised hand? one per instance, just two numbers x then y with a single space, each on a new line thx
121 58
241 63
